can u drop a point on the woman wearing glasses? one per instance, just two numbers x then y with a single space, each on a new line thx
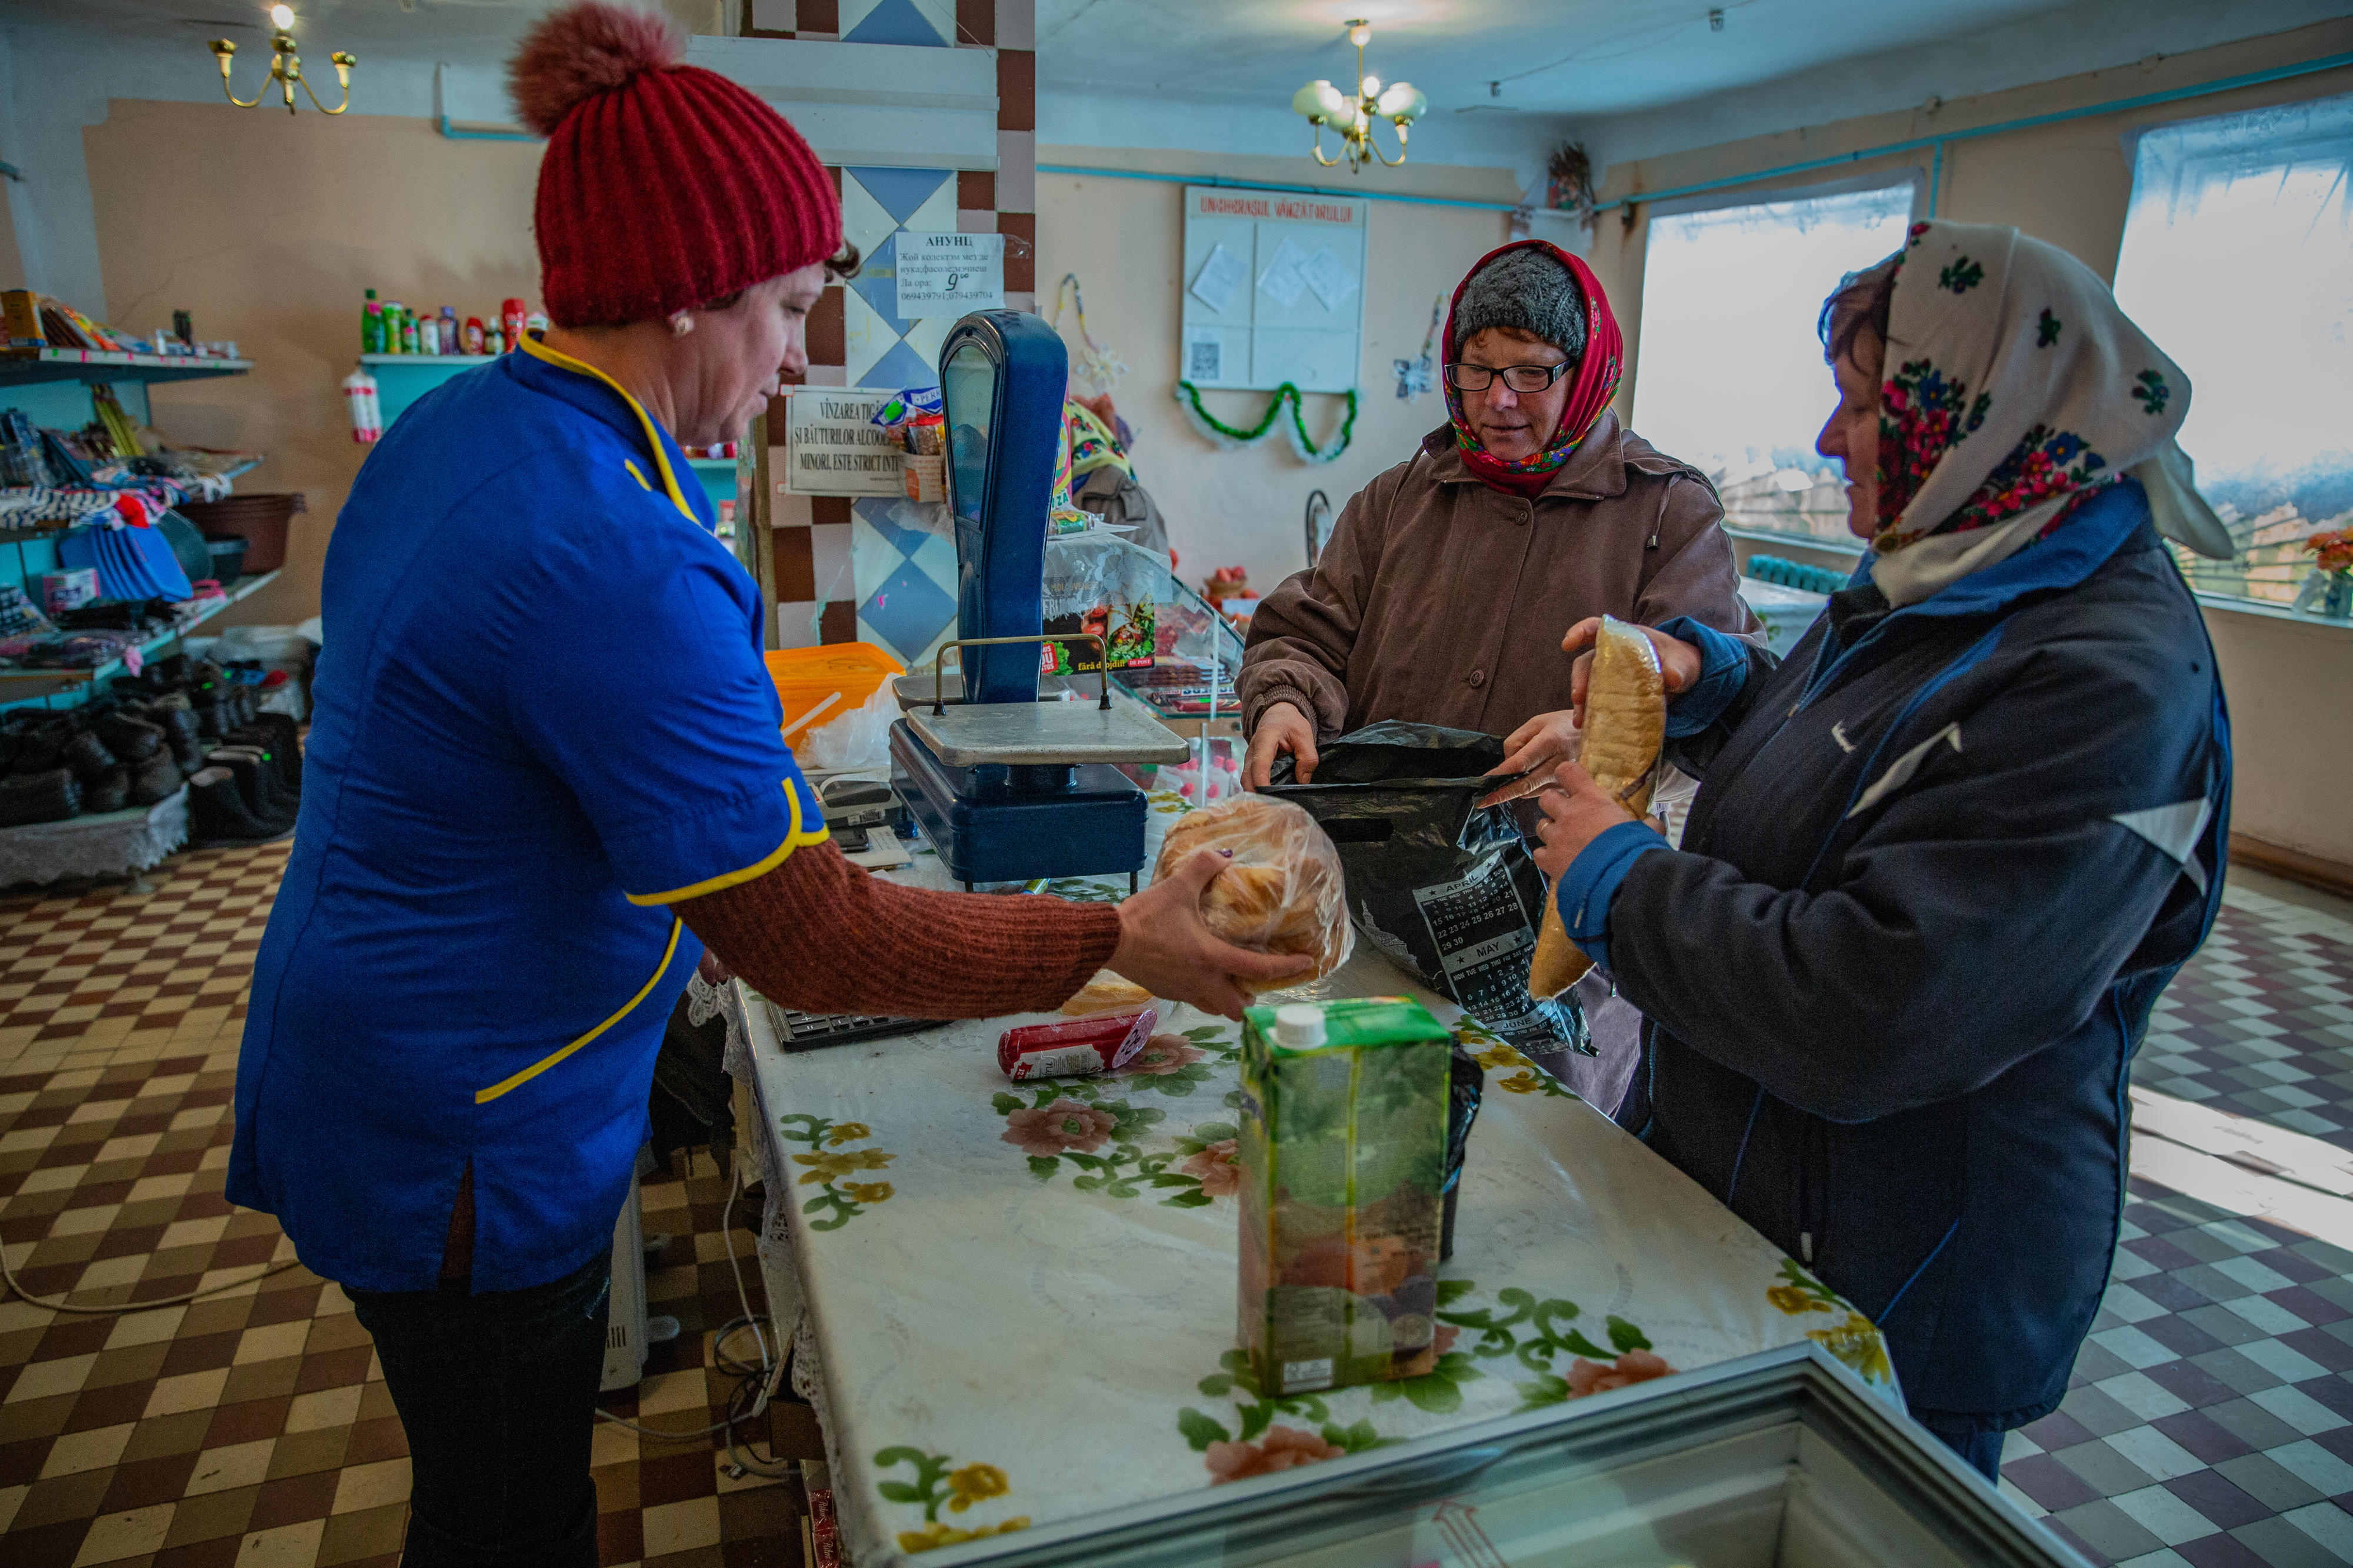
1440 597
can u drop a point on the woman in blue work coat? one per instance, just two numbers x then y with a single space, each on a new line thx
1944 858
545 770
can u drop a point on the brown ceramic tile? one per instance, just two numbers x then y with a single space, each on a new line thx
200 1352
369 1533
46 1546
293 1499
263 1379
307 1453
183 1433
247 1420
146 1482
211 1517
21 1461
71 1336
23 1418
282 1306
373 1440
339 1333
217 1316
621 1537
109 1406
701 1557
62 1496
674 1477
334 1369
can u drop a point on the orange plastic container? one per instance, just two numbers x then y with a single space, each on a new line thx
816 684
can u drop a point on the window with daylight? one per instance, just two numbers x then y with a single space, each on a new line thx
1731 377
2238 261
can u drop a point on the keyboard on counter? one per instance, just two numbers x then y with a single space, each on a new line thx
800 1031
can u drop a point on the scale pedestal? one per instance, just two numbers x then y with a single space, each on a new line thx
1012 792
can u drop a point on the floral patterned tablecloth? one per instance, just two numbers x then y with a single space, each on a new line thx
1019 1299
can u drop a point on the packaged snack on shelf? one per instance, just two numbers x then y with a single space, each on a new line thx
1283 893
1079 1048
1343 1151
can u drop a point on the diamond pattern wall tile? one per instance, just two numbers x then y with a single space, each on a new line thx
902 191
864 223
924 24
866 336
908 611
900 366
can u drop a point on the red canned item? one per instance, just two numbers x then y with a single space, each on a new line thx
1081 1047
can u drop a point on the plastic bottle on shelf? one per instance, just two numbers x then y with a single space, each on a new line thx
428 335
452 335
372 325
511 321
535 322
495 343
394 312
409 337
359 395
475 337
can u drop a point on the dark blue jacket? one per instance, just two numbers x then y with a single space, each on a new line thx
1942 862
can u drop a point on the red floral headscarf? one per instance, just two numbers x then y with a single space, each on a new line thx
1597 377
2015 392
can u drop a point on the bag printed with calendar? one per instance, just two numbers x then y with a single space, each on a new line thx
1446 890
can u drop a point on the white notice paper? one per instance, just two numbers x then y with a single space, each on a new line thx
950 274
1220 275
833 448
1329 277
1282 282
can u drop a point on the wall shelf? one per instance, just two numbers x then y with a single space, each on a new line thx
25 685
22 367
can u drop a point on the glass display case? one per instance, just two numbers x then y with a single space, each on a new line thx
1776 1460
1170 650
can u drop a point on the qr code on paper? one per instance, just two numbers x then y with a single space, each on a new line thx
1204 359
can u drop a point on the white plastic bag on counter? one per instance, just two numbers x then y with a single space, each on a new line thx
1284 891
858 739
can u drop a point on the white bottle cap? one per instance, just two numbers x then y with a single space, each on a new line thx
1299 1023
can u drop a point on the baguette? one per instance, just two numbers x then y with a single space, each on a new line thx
1625 724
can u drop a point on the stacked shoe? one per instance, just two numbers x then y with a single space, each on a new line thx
238 798
26 798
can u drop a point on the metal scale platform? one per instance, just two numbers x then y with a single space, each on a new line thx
1007 788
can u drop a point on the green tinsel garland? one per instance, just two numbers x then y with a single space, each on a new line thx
1225 436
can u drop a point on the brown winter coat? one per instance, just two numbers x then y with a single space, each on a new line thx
1442 601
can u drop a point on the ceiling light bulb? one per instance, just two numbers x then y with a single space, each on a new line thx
1401 100
282 16
1359 33
1334 106
1309 99
1370 87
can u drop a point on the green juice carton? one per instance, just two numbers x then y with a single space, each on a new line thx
1343 1152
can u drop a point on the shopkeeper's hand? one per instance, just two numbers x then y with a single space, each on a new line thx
1168 947
1679 661
1282 728
1535 748
1576 811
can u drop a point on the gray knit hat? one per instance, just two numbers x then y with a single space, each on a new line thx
1527 290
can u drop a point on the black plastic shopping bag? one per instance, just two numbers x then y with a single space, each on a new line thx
1445 890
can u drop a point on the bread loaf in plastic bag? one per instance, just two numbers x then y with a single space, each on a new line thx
1625 725
1282 894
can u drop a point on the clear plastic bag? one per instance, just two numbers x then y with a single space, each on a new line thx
1284 891
858 739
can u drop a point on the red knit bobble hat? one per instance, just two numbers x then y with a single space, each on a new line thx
664 186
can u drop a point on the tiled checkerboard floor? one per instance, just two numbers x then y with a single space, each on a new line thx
252 1427
2211 1417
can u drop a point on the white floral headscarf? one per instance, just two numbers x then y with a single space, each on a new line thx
2014 391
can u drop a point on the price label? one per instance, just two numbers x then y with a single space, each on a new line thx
950 274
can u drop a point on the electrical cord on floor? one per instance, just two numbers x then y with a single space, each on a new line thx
126 1308
756 1384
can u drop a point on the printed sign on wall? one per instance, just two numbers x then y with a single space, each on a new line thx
950 274
1273 288
832 447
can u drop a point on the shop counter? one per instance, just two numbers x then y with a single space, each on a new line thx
1017 1302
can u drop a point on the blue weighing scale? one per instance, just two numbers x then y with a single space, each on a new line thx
1008 788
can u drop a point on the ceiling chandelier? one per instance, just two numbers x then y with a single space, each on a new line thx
285 67
1400 103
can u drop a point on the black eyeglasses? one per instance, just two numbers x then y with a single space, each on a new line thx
1519 377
